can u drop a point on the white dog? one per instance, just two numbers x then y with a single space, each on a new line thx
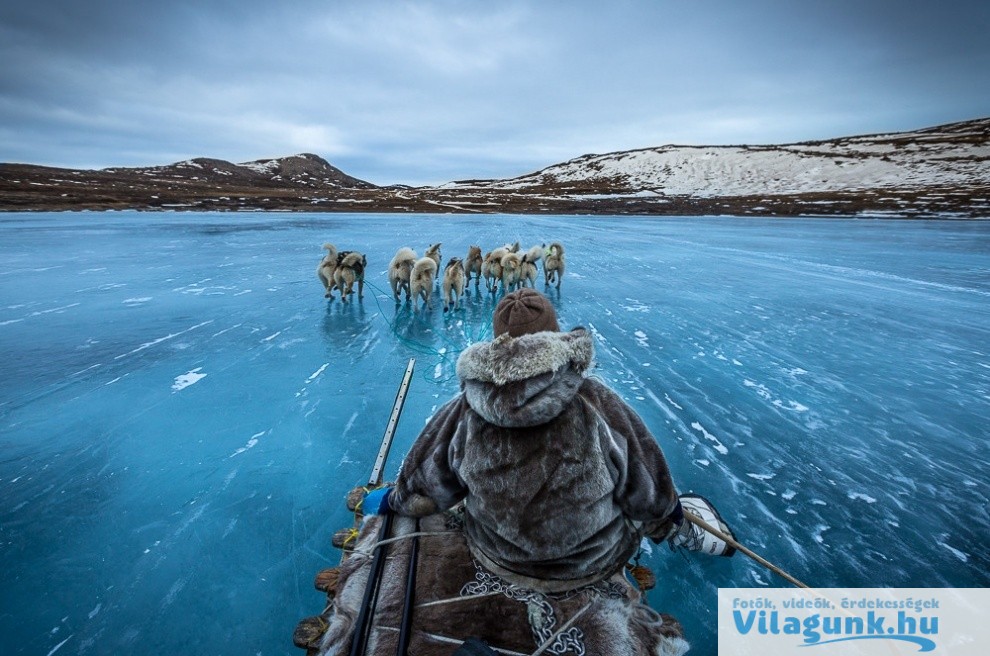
421 280
433 252
400 270
324 270
491 268
527 268
453 283
511 265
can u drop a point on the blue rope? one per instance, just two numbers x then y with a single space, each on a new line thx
448 347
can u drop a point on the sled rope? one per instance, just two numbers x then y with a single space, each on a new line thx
450 349
458 642
351 536
452 600
697 521
416 534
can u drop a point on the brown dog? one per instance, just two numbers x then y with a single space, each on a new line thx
473 264
553 264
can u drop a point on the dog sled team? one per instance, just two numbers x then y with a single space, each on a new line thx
503 269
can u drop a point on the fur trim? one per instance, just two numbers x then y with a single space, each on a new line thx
508 359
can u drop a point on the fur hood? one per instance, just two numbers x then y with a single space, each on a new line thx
526 380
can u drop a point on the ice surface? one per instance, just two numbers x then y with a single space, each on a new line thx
839 412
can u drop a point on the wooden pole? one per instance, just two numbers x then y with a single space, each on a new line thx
697 521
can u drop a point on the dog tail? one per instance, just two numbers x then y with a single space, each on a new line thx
329 247
535 254
510 260
558 247
404 254
424 266
352 260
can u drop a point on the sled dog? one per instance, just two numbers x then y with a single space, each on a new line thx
491 268
350 269
453 284
527 267
553 264
511 265
433 252
421 280
473 264
324 270
399 271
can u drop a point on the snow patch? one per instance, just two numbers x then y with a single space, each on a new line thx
187 379
251 443
317 373
955 552
711 438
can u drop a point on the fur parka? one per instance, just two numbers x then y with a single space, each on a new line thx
560 478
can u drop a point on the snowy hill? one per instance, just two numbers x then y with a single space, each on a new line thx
950 155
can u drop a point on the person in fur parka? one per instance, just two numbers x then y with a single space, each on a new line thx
560 478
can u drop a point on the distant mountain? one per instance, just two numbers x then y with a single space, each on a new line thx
305 169
941 171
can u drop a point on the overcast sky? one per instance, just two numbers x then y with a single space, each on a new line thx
437 90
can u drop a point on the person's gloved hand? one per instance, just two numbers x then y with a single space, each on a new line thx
376 501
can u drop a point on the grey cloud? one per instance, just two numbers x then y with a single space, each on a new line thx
435 90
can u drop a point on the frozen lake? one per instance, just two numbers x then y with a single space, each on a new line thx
181 411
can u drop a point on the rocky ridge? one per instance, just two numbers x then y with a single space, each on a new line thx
942 171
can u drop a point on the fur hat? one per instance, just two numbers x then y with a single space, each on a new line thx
523 312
